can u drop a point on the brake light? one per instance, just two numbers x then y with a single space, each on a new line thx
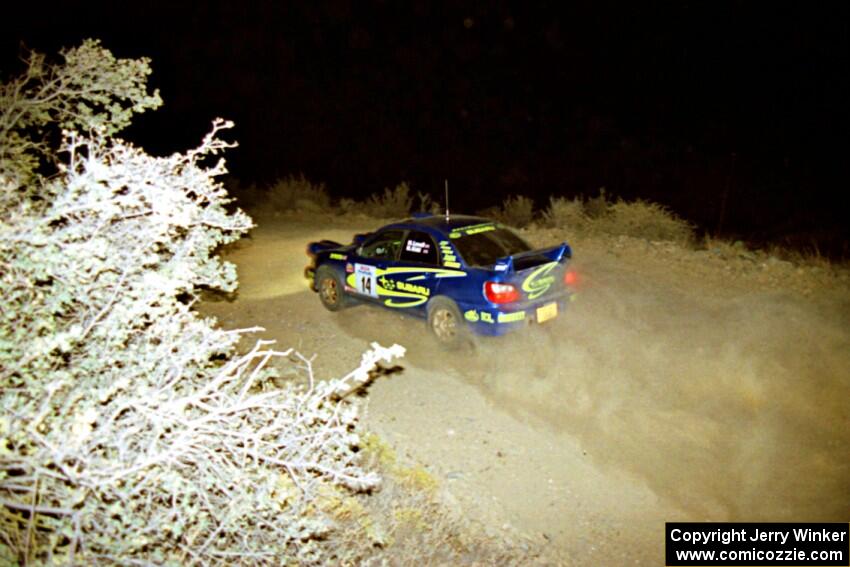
570 277
500 292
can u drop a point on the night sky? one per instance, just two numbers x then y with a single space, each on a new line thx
677 102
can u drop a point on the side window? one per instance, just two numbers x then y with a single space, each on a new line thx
383 246
419 247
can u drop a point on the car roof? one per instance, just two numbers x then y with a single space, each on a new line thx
439 223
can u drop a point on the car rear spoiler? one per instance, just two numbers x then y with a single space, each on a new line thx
553 254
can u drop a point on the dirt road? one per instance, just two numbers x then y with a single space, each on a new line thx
668 392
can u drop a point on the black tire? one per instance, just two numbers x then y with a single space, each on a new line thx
330 288
447 324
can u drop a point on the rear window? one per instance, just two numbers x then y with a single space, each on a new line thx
484 248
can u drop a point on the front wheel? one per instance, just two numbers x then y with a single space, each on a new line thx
330 288
446 323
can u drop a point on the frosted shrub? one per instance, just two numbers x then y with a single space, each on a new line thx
91 90
131 430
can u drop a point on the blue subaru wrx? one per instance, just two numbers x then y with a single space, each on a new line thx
460 273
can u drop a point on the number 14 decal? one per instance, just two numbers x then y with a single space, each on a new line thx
365 279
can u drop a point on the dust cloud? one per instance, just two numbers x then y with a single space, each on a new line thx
736 410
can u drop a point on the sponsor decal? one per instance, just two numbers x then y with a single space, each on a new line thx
472 229
349 268
413 288
474 316
511 317
448 253
388 284
337 256
539 281
417 247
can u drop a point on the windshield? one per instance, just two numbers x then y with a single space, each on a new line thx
484 248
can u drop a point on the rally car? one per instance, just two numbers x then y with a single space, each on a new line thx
463 274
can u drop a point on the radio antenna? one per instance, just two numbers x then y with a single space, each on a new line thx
447 200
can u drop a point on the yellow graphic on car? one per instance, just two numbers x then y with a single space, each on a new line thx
449 258
396 292
472 229
539 281
474 316
511 317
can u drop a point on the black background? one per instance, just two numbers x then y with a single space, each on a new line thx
677 102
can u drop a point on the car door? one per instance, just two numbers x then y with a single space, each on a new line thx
371 261
411 280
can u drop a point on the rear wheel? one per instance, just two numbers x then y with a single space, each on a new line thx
446 323
330 288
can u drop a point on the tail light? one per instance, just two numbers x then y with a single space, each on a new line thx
570 278
500 292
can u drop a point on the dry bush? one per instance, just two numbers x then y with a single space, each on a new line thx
566 214
639 219
248 196
598 206
293 194
427 204
516 210
290 194
91 89
391 204
643 219
131 432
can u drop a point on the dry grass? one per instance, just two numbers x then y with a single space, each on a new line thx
408 522
810 257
